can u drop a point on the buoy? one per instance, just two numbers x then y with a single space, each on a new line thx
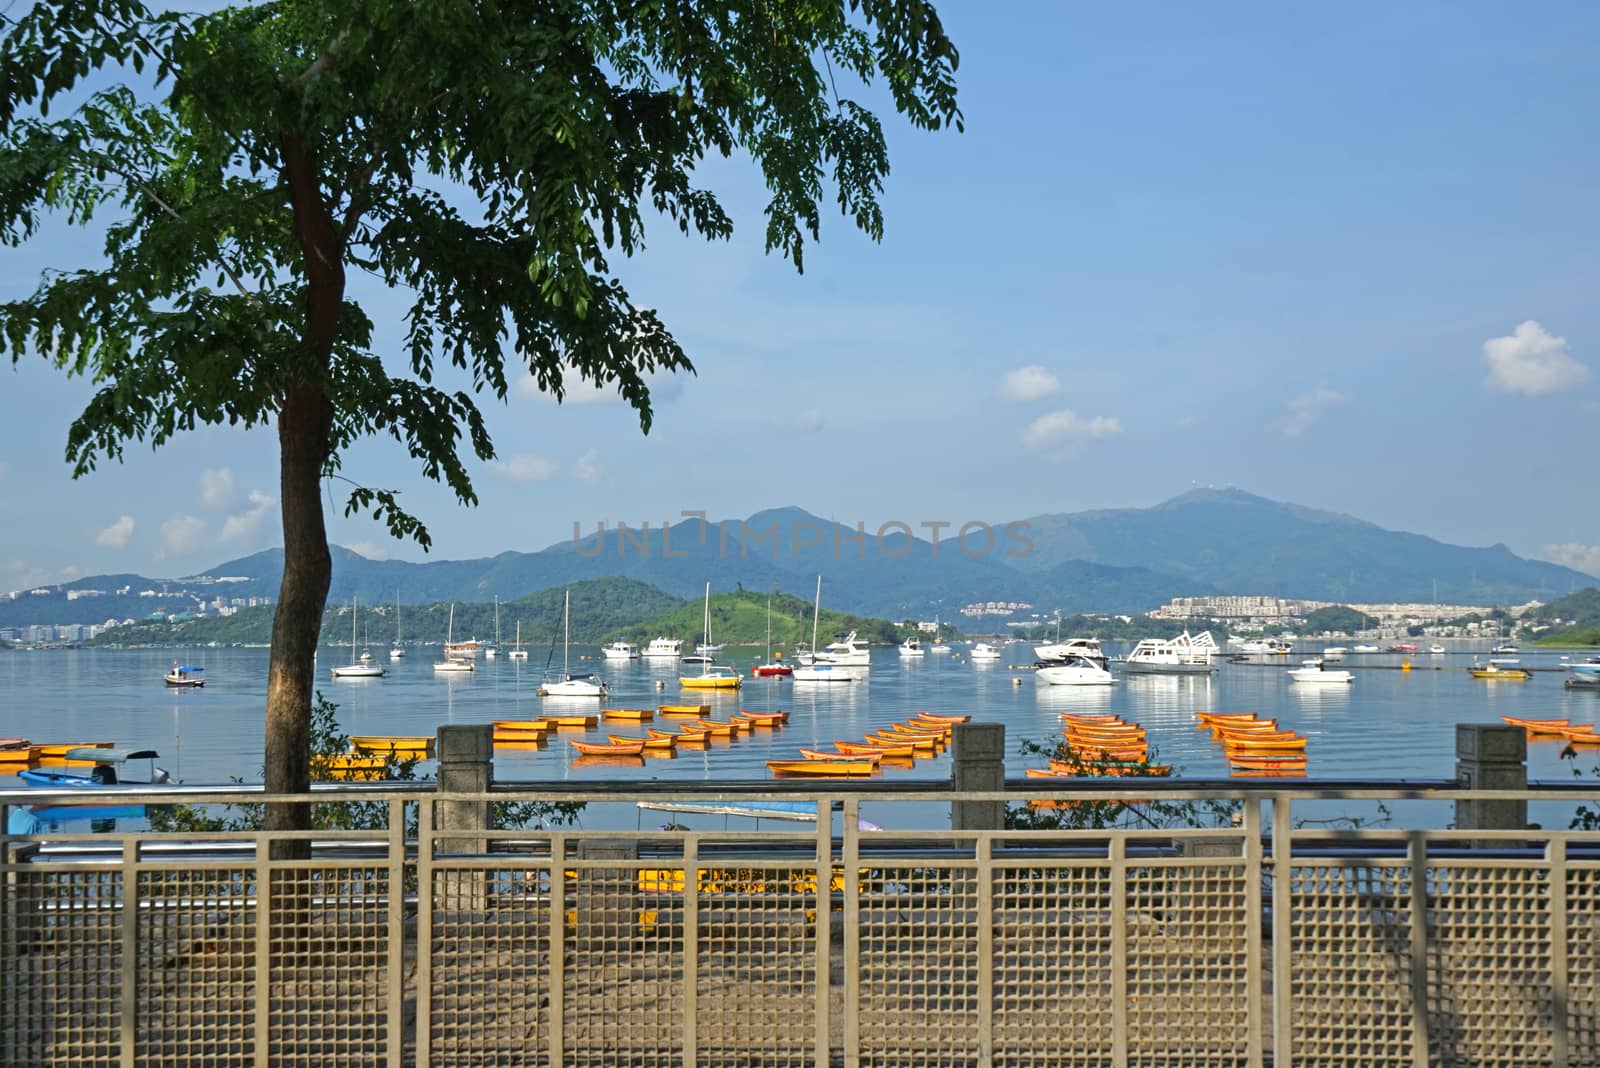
1016 682
660 685
1405 665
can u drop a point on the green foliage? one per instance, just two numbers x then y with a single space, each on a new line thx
1099 814
1338 619
1585 817
1579 614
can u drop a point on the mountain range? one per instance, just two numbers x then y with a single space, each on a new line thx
1206 541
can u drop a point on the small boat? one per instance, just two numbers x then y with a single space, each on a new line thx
1549 728
822 767
454 661
1334 653
662 649
634 715
619 650
1585 672
1503 649
875 749
693 711
665 740
929 745
1580 735
683 736
774 667
1436 649
517 651
824 673
402 745
362 667
912 646
1364 648
632 748
714 677
185 676
720 729
59 750
17 751
839 758
1402 647
937 717
608 760
1294 742
352 766
1509 670
761 719
580 722
983 651
105 760
567 684
1313 672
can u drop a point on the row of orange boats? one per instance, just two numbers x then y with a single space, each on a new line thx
1102 746
925 734
19 753
1550 730
1254 746
693 730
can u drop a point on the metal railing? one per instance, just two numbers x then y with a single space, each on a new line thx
1267 941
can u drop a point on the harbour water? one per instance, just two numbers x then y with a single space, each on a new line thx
1388 723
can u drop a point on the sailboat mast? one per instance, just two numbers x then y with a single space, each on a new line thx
816 609
566 631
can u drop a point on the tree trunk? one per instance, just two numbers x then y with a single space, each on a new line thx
305 428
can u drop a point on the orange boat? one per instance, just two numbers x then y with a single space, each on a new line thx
1115 769
632 715
940 718
762 719
1548 728
929 745
822 767
870 749
1124 734
1582 734
819 754
570 722
657 743
1086 717
685 710
1282 745
687 738
719 729
630 748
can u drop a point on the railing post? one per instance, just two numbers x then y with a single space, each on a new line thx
978 764
1491 756
466 766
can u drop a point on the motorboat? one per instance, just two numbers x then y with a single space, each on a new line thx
714 677
1503 649
1313 672
1279 646
1074 671
453 662
1436 649
362 668
1586 673
1364 647
983 651
1247 645
185 676
567 684
1183 655
1500 668
1334 653
663 649
847 650
1402 647
1060 650
619 651
824 673
26 819
912 646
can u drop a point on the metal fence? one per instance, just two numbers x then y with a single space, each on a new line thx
1265 941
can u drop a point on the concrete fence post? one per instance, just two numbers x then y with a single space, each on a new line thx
466 766
978 763
1491 756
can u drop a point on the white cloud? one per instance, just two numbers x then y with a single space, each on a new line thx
526 468
216 487
369 549
1579 557
1307 408
181 535
1065 424
579 392
117 534
587 467
242 525
1028 383
1531 361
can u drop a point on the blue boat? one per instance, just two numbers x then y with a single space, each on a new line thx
185 675
28 819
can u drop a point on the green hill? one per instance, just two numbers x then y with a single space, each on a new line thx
1571 620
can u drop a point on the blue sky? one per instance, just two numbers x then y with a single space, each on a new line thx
1343 256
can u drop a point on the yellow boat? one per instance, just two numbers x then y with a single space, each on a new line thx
714 677
696 739
929 745
626 747
684 710
821 767
570 722
837 758
720 730
1501 669
655 741
630 715
19 754
937 717
403 746
59 749
761 719
907 751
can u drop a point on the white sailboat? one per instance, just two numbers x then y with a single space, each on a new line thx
703 651
711 677
518 653
396 652
567 684
357 669
453 662
819 671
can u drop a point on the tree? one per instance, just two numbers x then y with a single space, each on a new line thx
488 159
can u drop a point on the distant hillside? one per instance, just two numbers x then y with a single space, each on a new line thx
1573 619
1241 543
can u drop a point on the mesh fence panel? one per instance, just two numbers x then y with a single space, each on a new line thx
1187 969
1583 967
1052 966
919 967
63 959
329 931
197 944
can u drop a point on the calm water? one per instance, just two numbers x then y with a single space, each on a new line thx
1387 724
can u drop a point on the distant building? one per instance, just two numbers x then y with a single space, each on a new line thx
73 595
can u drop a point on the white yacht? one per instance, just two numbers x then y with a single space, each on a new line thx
619 651
1334 652
1436 649
984 651
824 673
454 661
912 646
663 648
847 651
1364 647
1075 671
1183 655
1313 672
1060 650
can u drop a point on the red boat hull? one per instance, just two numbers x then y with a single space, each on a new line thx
769 672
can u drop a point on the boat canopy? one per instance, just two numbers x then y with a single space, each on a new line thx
187 667
110 756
